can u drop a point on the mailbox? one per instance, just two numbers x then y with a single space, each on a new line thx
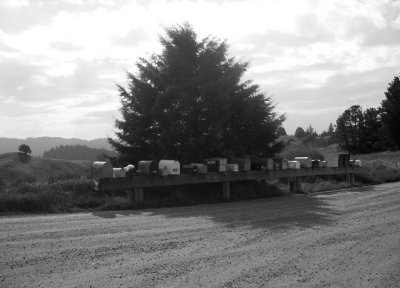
280 163
337 159
119 173
101 170
244 164
169 167
147 167
305 162
293 165
216 164
201 167
232 167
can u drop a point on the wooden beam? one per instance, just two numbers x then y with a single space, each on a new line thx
299 189
351 179
138 195
214 177
293 186
226 190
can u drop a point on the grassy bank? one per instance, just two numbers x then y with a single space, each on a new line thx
66 190
79 195
379 167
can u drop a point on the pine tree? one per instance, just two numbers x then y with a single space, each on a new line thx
391 110
189 103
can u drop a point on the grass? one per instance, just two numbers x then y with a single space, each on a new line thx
45 185
297 149
379 167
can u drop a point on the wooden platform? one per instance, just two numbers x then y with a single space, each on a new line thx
139 182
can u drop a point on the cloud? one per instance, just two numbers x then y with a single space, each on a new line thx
65 46
61 59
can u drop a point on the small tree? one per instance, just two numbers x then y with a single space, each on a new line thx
299 133
24 149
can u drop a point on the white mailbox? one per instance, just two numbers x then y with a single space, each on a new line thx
293 164
169 167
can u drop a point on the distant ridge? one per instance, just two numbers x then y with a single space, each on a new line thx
41 144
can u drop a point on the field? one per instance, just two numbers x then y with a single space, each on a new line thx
347 238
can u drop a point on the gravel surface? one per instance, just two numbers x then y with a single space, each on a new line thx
347 238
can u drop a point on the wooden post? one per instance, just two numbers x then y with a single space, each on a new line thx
351 179
226 190
293 187
139 195
298 185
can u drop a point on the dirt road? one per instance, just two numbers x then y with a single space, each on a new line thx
348 238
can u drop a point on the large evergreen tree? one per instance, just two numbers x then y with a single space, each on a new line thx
189 103
391 110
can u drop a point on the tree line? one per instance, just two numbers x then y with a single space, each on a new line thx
78 152
364 131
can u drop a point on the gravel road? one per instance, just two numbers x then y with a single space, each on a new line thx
347 238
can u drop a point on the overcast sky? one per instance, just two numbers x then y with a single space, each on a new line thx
60 61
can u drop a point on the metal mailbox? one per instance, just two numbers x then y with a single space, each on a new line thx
293 165
101 170
280 163
216 164
337 159
305 162
201 167
322 164
119 173
147 167
244 164
169 167
232 167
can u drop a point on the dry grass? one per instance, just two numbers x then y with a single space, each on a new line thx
24 187
379 167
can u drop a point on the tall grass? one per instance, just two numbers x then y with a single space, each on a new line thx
298 149
69 193
379 171
79 194
58 196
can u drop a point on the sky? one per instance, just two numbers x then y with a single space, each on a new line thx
60 61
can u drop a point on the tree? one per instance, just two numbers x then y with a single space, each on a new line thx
310 131
331 129
299 133
349 125
391 110
24 148
189 103
362 132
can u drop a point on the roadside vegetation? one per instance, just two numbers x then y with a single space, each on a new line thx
23 187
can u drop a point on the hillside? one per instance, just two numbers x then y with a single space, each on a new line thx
41 144
78 152
14 168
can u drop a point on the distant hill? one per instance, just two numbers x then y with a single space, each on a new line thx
14 167
78 152
41 144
